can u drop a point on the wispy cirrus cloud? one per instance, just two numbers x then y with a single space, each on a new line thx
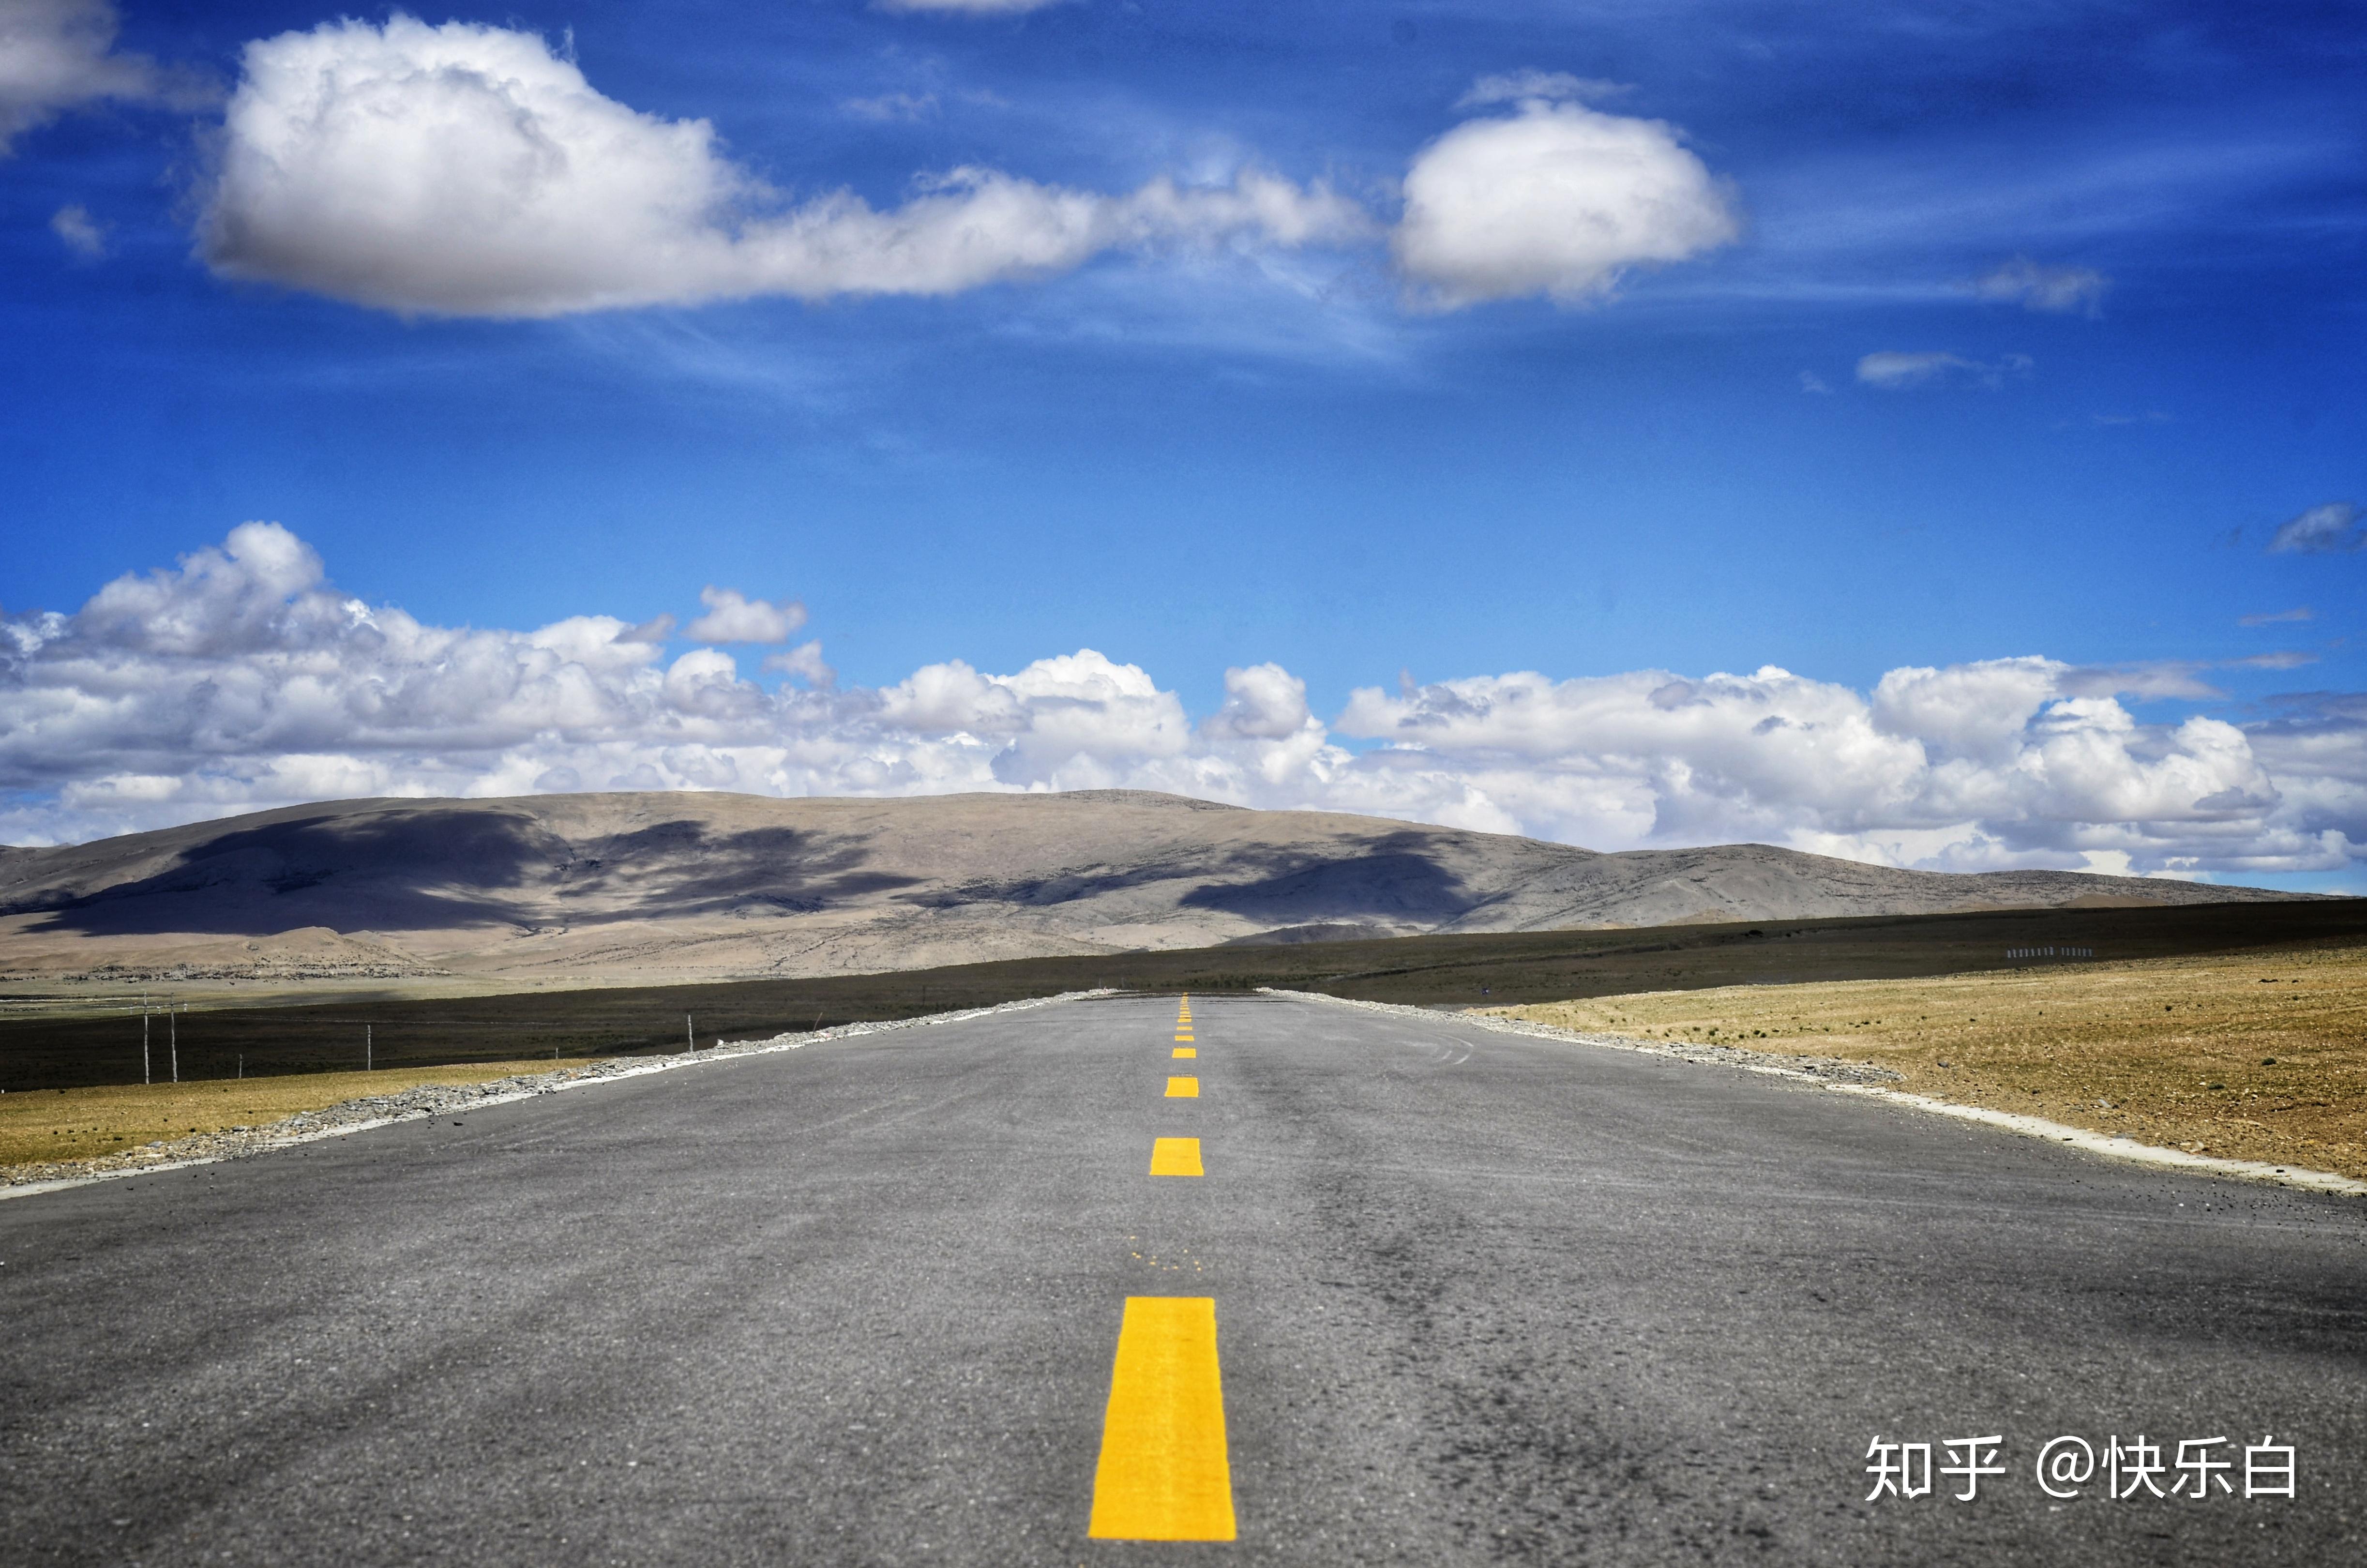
57 55
243 678
1898 371
1511 87
2334 528
890 107
969 8
2056 289
79 232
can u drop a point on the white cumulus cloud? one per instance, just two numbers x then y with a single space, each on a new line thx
803 662
733 616
467 170
242 677
1555 200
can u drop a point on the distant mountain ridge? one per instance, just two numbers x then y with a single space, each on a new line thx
702 885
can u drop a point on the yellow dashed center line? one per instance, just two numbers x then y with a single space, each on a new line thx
1175 1157
1184 1050
1182 1089
1164 1473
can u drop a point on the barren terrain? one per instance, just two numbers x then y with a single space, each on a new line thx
40 1126
2251 1056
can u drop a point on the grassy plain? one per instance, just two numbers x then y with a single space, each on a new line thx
40 1125
2254 1056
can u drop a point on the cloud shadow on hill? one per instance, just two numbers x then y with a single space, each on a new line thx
401 870
1396 877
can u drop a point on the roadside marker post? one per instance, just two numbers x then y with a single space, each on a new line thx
173 1037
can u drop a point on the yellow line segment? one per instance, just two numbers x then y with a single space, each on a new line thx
1184 1050
1182 1089
1175 1157
1163 1475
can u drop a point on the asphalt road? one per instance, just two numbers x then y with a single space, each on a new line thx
1479 1298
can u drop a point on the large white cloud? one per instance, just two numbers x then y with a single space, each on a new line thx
241 678
1555 199
467 170
56 54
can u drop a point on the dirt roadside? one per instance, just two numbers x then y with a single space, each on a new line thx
2254 1056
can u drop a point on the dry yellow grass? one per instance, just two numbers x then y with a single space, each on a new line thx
40 1125
2256 1057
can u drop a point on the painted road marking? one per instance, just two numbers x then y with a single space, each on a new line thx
1182 1038
1175 1157
1184 1050
1163 1475
1182 1089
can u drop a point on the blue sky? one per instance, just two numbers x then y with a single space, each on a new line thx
1949 336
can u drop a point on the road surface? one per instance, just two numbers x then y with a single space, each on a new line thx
1477 1298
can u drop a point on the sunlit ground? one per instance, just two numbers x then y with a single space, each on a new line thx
2258 1057
40 1125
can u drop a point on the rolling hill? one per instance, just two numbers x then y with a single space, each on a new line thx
604 888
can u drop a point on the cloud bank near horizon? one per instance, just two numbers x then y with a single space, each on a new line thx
242 679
